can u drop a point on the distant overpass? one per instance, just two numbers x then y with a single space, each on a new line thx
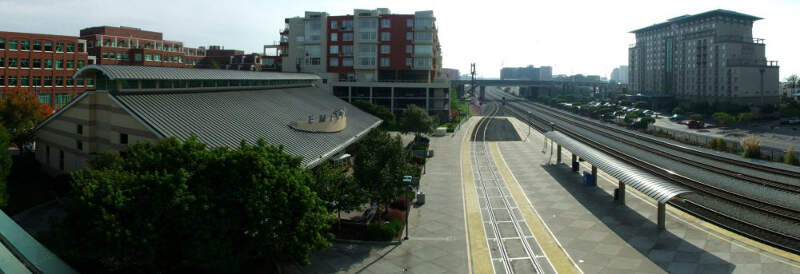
528 87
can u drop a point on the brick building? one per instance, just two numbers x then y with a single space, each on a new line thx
43 64
134 46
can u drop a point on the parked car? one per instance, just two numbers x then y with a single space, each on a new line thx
696 124
677 117
795 121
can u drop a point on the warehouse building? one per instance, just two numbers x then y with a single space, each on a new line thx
221 107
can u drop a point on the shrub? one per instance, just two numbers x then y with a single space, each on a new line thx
789 157
395 214
697 116
401 203
384 232
717 144
751 146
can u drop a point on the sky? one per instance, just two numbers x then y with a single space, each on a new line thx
587 37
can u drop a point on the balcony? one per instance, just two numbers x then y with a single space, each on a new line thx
751 63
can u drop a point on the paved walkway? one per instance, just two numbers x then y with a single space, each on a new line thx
436 230
603 237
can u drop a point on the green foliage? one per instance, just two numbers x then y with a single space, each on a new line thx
645 121
751 147
768 109
677 110
415 119
175 206
744 117
384 232
457 104
723 118
641 104
630 116
5 164
789 157
697 116
389 120
20 111
717 144
338 190
380 165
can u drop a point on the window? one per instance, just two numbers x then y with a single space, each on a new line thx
333 62
2 62
410 23
384 62
334 24
334 50
70 81
25 45
300 38
12 45
59 64
123 138
48 46
347 36
70 64
2 80
386 23
148 57
12 81
366 61
423 49
62 99
80 63
409 36
409 49
90 81
79 145
2 44
59 47
48 63
70 47
37 45
347 24
79 82
157 57
334 37
37 81
386 36
119 55
423 36
409 61
23 81
59 81
367 35
48 81
137 57
347 62
347 50
37 63
385 49
12 62
24 63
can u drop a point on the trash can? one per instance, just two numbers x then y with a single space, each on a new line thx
430 153
421 198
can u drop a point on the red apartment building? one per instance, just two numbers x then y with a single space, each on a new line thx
137 47
43 64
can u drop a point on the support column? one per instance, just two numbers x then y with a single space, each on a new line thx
574 163
391 103
370 95
427 99
661 215
621 193
594 174
349 94
558 155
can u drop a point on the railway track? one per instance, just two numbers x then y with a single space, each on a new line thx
728 209
501 211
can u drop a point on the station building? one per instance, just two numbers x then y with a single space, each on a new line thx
132 104
393 60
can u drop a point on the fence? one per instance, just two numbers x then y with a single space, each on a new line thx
732 145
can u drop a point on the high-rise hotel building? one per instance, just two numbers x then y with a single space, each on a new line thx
392 60
711 56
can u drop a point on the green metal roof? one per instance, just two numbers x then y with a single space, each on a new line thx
116 72
684 18
21 253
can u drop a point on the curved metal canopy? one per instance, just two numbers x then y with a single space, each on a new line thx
117 72
656 187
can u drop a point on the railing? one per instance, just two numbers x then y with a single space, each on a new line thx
752 62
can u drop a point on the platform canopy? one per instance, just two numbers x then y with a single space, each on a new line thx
654 186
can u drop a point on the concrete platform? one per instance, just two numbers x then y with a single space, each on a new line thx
604 237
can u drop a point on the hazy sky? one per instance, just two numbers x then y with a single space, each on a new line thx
588 37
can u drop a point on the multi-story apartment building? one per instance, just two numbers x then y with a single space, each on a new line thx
390 59
711 56
544 73
134 46
43 64
619 75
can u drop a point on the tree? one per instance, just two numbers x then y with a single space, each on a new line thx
338 190
641 104
415 119
20 111
744 117
380 165
697 116
389 121
645 121
5 164
176 206
789 157
677 110
723 118
792 81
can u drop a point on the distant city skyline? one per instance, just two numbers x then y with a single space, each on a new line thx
574 37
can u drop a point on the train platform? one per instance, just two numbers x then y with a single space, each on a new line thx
601 236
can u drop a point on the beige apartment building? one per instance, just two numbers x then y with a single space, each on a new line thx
711 56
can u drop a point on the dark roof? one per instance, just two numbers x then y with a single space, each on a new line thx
116 72
21 253
684 18
226 118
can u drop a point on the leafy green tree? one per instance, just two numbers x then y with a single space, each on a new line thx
641 104
645 121
389 120
415 119
697 116
5 164
723 118
380 165
20 111
677 110
175 206
744 117
338 190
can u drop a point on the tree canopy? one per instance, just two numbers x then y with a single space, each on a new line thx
20 111
415 119
5 164
380 165
723 118
175 206
389 121
338 190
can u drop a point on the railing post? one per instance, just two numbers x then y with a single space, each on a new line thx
621 193
558 155
594 174
661 216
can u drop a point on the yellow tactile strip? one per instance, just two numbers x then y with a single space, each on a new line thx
477 247
557 256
